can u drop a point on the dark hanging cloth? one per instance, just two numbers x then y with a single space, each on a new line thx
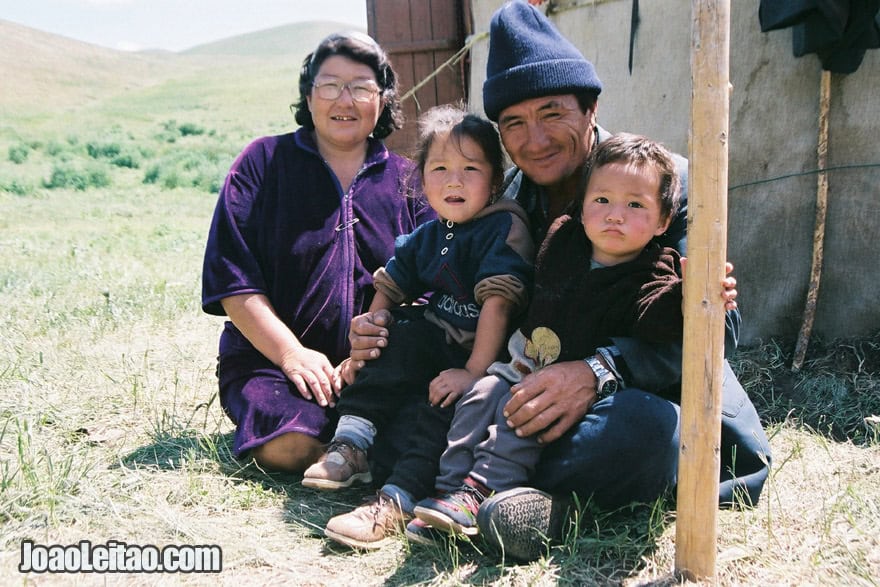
633 28
839 32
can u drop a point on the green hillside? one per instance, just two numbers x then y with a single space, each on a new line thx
45 72
246 81
77 115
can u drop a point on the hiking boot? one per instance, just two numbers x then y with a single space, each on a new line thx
521 522
341 465
421 533
456 511
369 526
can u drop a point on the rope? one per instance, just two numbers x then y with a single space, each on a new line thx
802 173
470 42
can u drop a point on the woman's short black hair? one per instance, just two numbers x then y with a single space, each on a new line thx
363 49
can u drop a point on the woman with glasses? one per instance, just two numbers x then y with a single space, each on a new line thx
302 222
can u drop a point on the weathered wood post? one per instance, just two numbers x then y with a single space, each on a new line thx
803 340
704 313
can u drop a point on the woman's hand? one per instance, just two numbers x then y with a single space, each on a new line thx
448 386
312 374
309 370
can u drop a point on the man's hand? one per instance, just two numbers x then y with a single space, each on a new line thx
550 401
367 335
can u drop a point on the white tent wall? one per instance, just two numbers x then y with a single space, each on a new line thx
774 113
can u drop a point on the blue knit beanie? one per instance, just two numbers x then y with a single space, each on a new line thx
528 58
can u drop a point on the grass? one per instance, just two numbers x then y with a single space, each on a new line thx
110 427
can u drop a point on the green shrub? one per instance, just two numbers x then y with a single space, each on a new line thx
129 160
64 176
169 132
54 148
17 187
152 174
188 129
171 180
81 179
18 154
200 169
98 150
98 178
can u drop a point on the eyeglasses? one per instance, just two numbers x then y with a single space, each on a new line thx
359 90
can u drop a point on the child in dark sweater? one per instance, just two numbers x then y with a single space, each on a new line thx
598 275
476 259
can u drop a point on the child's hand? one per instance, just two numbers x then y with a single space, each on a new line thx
447 387
728 285
344 374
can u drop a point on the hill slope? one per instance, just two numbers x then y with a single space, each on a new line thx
290 39
47 73
45 70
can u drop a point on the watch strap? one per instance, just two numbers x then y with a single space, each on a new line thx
606 382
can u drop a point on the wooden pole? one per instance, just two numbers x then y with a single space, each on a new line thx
803 340
704 313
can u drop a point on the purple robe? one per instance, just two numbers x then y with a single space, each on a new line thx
284 228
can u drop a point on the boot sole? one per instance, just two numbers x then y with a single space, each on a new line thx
315 483
441 521
521 521
355 543
422 539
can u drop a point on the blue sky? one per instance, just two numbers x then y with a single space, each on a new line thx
171 24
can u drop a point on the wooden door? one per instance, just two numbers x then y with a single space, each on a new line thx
420 36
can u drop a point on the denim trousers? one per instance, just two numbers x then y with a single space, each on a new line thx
626 449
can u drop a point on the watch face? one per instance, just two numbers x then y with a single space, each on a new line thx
608 386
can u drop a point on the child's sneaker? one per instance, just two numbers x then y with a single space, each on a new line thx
421 533
456 511
339 467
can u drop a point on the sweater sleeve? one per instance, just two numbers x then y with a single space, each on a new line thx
507 264
400 275
658 313
230 265
384 283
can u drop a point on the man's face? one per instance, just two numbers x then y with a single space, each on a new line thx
549 137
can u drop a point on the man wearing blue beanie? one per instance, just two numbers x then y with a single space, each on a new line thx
610 447
528 58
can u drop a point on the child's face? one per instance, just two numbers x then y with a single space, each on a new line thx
457 178
621 211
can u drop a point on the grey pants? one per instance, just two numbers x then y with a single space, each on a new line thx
480 443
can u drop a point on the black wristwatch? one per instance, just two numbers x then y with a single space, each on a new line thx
606 382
